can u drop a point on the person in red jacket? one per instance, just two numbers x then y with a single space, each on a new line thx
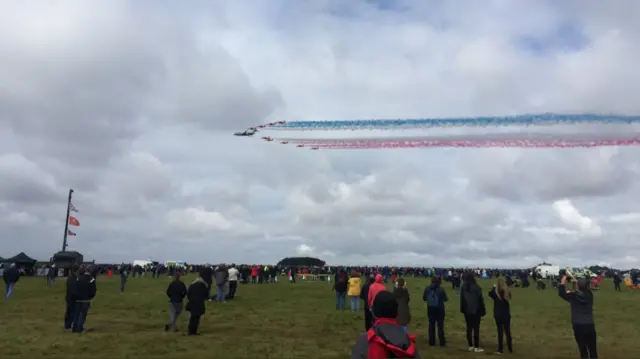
255 270
375 288
386 339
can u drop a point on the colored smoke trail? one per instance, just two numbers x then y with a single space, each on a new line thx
532 143
549 119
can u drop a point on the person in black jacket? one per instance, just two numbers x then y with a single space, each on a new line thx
435 297
472 306
176 293
341 294
85 292
10 276
616 282
206 273
197 294
364 295
501 296
70 298
584 329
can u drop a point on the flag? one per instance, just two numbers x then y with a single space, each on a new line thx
73 221
69 233
72 208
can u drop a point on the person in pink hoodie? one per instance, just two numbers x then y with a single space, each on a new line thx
375 288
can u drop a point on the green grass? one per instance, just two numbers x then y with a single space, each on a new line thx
286 321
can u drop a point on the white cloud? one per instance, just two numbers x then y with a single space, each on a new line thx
198 220
132 105
572 218
625 218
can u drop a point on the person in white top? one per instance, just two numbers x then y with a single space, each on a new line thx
234 275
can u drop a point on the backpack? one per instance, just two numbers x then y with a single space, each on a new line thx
392 351
433 299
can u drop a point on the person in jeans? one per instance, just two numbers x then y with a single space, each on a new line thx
176 292
584 328
501 296
354 291
472 306
435 297
85 292
221 276
341 294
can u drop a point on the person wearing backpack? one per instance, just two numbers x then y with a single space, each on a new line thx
473 308
435 297
386 338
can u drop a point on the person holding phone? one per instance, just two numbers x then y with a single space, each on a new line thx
581 301
502 296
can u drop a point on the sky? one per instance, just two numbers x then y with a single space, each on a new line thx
132 104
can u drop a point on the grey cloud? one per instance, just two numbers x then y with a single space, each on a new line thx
548 175
87 94
23 181
132 106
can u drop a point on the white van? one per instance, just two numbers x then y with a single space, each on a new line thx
547 270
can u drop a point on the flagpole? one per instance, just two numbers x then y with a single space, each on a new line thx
66 222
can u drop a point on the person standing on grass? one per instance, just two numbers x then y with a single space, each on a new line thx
501 296
85 292
403 298
376 287
364 295
197 295
386 338
233 275
354 291
255 272
221 276
206 274
176 293
10 276
70 298
51 275
435 297
455 282
581 301
473 308
340 287
616 282
124 273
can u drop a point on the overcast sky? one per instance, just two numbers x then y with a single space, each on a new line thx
133 104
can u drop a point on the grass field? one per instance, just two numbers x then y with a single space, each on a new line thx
287 321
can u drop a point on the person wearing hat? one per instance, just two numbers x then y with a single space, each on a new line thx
386 338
